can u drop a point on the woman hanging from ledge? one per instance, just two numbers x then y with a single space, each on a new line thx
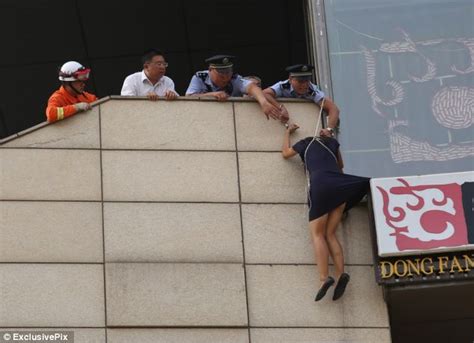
330 192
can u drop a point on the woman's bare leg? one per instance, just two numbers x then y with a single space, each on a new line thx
321 251
335 249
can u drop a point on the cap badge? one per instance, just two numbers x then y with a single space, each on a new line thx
305 68
225 60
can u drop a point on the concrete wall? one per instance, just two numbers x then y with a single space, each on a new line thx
172 222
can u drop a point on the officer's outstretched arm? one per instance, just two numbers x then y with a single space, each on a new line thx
271 97
269 91
268 108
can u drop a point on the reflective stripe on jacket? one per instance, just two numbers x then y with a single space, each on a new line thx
61 104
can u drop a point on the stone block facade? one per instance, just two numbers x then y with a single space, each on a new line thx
176 221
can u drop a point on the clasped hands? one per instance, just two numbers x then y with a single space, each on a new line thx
275 112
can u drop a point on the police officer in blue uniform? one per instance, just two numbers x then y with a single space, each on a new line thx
221 82
299 85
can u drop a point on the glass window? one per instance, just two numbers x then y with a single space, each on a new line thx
402 74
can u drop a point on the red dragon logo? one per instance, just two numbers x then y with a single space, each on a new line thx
425 217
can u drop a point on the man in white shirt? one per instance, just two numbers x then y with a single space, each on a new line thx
151 81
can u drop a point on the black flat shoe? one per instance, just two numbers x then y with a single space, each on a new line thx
324 288
341 286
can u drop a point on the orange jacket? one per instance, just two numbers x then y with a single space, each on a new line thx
61 104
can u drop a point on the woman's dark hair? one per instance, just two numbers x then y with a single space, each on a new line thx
149 54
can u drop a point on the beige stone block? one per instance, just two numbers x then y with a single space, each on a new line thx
326 335
38 174
363 304
52 295
280 234
267 177
283 296
355 234
80 335
166 294
276 234
78 131
189 125
172 232
170 176
50 232
177 335
255 132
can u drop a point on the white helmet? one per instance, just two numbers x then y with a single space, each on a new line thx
73 71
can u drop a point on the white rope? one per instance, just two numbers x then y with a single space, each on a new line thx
308 178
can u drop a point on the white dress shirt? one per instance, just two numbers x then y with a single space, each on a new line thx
138 84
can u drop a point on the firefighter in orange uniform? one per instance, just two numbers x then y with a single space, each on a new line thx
70 98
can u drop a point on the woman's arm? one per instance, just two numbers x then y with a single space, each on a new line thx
286 150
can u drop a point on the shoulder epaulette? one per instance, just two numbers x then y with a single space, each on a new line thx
286 84
202 75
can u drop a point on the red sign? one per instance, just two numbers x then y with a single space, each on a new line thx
423 213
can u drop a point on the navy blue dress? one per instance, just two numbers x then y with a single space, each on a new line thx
329 186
